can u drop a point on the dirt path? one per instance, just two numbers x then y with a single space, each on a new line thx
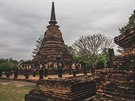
16 83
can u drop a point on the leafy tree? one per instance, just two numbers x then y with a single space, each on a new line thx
103 57
130 24
73 53
38 45
8 64
89 47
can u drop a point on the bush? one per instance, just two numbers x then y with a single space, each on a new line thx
7 65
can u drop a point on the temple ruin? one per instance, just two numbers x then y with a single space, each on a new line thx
52 48
111 84
118 83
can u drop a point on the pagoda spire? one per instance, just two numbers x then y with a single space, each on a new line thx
53 18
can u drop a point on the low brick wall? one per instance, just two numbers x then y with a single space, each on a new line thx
118 83
69 89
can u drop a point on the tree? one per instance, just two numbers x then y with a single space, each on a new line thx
130 24
89 47
8 64
38 45
103 57
73 53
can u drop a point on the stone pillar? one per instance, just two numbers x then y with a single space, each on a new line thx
85 69
41 74
15 73
59 70
46 70
0 72
7 73
34 72
74 69
111 57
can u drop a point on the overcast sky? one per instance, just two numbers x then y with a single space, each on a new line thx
22 22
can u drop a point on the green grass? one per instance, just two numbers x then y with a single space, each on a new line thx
13 93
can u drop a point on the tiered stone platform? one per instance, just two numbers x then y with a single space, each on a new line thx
127 41
69 89
117 84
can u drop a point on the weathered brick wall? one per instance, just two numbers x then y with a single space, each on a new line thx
72 89
118 83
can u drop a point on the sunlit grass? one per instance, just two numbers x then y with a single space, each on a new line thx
13 93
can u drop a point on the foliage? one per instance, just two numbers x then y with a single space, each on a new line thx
9 64
89 47
38 45
103 57
73 53
130 24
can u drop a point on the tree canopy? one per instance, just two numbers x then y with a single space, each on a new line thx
89 48
8 64
130 24
38 45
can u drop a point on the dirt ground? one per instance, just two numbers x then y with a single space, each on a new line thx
16 83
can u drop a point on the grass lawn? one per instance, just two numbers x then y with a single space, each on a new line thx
11 92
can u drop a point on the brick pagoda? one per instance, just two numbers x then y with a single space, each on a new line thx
52 48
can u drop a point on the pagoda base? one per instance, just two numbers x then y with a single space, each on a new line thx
69 89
